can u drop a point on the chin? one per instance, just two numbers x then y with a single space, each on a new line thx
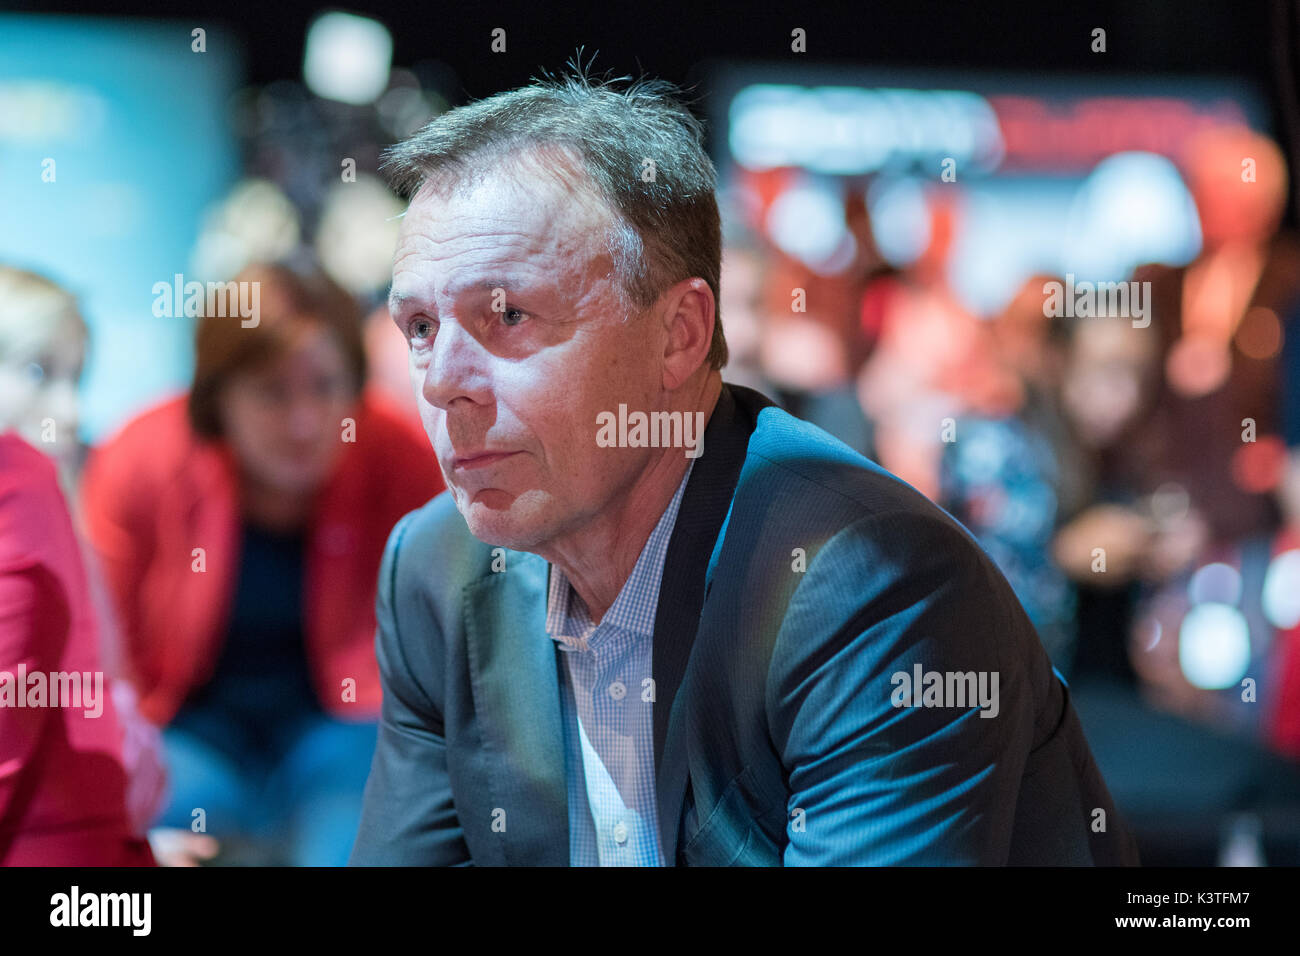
495 529
505 523
297 480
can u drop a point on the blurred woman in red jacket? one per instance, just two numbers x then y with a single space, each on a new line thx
63 786
241 528
76 788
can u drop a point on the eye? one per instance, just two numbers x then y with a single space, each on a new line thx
513 317
420 329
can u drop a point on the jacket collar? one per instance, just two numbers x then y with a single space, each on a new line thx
684 587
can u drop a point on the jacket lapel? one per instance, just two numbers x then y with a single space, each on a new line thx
516 691
682 592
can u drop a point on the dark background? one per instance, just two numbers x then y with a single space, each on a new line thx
1256 40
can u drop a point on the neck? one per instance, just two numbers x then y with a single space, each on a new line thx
600 557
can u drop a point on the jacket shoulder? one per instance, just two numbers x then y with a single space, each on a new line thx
166 421
145 454
160 435
788 456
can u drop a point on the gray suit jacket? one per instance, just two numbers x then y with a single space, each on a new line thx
801 580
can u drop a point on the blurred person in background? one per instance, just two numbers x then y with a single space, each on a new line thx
354 241
931 360
63 781
77 785
808 344
1132 551
1005 468
241 528
1215 433
744 277
43 341
1036 347
798 360
1217 323
1116 533
386 362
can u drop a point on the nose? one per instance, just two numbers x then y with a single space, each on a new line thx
306 417
454 369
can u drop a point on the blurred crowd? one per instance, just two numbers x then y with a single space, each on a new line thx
1135 476
1138 483
232 542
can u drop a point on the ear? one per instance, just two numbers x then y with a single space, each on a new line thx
689 312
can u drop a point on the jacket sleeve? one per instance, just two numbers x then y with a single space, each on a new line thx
34 622
408 817
35 617
874 782
120 535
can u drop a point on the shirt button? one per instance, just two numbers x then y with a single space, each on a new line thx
618 690
620 833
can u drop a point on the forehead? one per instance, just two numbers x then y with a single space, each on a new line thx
24 339
531 202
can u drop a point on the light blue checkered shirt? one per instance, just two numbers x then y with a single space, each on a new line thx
607 695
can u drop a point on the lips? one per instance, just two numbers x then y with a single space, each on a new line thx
480 459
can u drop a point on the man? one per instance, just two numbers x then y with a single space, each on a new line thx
621 644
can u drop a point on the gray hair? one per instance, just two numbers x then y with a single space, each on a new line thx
638 144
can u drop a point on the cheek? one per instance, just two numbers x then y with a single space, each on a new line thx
434 422
17 394
416 376
536 399
250 431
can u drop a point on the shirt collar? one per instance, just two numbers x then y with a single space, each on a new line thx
633 611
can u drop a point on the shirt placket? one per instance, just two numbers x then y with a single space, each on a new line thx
608 694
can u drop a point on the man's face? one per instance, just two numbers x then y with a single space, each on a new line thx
510 395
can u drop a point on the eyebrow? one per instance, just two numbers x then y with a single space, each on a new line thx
396 300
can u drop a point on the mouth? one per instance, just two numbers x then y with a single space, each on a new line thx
471 462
